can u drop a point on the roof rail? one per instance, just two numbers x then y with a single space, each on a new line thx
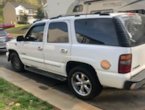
76 15
65 16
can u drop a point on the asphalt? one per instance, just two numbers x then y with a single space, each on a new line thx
109 99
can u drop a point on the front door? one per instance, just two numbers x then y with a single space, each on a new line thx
31 51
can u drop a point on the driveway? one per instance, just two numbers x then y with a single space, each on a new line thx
110 99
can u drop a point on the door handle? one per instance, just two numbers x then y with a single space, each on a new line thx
40 48
64 51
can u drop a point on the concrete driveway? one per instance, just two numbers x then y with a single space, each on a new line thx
55 91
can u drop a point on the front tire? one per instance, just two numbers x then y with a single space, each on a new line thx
84 82
16 63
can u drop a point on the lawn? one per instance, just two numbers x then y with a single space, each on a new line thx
19 29
14 98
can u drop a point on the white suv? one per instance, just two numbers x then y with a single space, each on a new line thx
89 51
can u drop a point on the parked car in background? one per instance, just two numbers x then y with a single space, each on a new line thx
5 26
4 37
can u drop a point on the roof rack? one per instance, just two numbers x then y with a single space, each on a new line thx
76 15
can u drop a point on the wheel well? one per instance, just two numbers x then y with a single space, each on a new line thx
73 64
10 52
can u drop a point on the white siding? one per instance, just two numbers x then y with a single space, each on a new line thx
57 7
20 9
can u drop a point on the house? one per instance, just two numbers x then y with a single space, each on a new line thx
54 8
1 2
19 13
95 6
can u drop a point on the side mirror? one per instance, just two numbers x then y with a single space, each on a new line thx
20 38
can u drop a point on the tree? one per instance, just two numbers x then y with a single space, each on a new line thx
40 14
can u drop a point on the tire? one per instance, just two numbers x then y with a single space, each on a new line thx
91 86
16 63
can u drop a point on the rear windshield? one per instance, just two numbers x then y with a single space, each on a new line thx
135 25
96 31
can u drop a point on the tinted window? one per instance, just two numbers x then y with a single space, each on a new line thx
135 25
96 31
58 33
36 33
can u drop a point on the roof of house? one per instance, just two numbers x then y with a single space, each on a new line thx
27 6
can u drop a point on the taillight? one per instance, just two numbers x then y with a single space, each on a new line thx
125 61
9 36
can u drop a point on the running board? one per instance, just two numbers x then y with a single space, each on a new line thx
47 74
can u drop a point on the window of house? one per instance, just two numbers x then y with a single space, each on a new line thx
78 8
30 11
21 12
36 33
58 33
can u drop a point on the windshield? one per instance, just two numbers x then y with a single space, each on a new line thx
135 25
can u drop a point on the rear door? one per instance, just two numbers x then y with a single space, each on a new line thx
57 48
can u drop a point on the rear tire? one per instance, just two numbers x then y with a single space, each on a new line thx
16 63
84 83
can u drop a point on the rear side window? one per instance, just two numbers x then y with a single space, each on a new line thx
58 33
99 31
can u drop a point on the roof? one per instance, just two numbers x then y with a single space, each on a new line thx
27 6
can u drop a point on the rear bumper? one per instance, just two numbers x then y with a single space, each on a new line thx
136 81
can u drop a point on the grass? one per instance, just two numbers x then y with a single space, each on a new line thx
1 14
18 30
14 98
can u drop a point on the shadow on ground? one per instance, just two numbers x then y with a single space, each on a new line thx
109 99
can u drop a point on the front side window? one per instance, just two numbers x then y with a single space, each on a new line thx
58 33
100 31
36 33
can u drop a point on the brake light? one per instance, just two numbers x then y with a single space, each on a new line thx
125 61
9 36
